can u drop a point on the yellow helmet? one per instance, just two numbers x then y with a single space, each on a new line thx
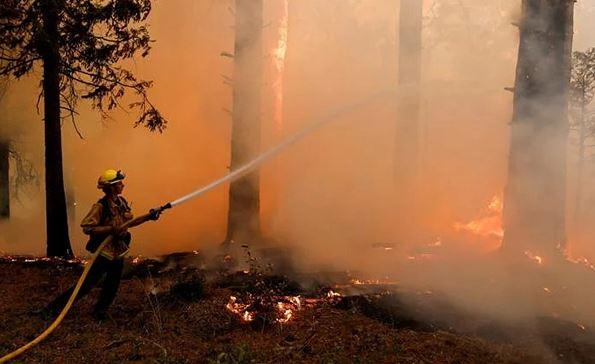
109 177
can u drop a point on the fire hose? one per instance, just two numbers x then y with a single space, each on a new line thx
71 300
239 172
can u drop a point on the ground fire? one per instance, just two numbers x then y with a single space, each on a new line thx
300 181
487 225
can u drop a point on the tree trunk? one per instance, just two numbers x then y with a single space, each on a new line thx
580 169
4 180
410 25
535 195
407 158
58 242
244 194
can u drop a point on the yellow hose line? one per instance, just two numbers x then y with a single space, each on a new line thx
70 302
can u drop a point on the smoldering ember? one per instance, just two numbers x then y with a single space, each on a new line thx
309 181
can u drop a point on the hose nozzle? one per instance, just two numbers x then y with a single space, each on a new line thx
154 213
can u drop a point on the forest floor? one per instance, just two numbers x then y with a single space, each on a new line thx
172 317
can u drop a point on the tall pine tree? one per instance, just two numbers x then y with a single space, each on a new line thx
244 194
80 46
535 194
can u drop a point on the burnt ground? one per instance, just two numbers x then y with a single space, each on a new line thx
179 316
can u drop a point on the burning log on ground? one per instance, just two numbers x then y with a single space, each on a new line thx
264 311
260 299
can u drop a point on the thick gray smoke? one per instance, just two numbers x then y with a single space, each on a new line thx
331 196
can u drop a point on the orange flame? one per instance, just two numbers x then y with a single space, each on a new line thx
536 258
332 294
27 259
581 326
582 260
489 225
285 311
279 54
286 307
239 309
359 282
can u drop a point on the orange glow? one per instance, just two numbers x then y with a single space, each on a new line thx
279 54
286 312
582 260
239 309
359 282
437 243
488 225
536 258
27 259
422 256
332 294
286 307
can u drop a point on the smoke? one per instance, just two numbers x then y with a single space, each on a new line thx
337 197
345 201
331 197
187 68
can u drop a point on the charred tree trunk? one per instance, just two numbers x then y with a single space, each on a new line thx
4 180
244 194
58 242
535 195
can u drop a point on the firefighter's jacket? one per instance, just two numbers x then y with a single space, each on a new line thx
108 212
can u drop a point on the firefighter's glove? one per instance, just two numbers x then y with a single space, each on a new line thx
154 214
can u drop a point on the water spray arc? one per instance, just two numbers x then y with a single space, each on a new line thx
289 141
233 175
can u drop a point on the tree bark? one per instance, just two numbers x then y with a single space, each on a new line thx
58 242
535 195
4 180
244 194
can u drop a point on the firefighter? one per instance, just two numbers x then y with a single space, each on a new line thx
104 219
